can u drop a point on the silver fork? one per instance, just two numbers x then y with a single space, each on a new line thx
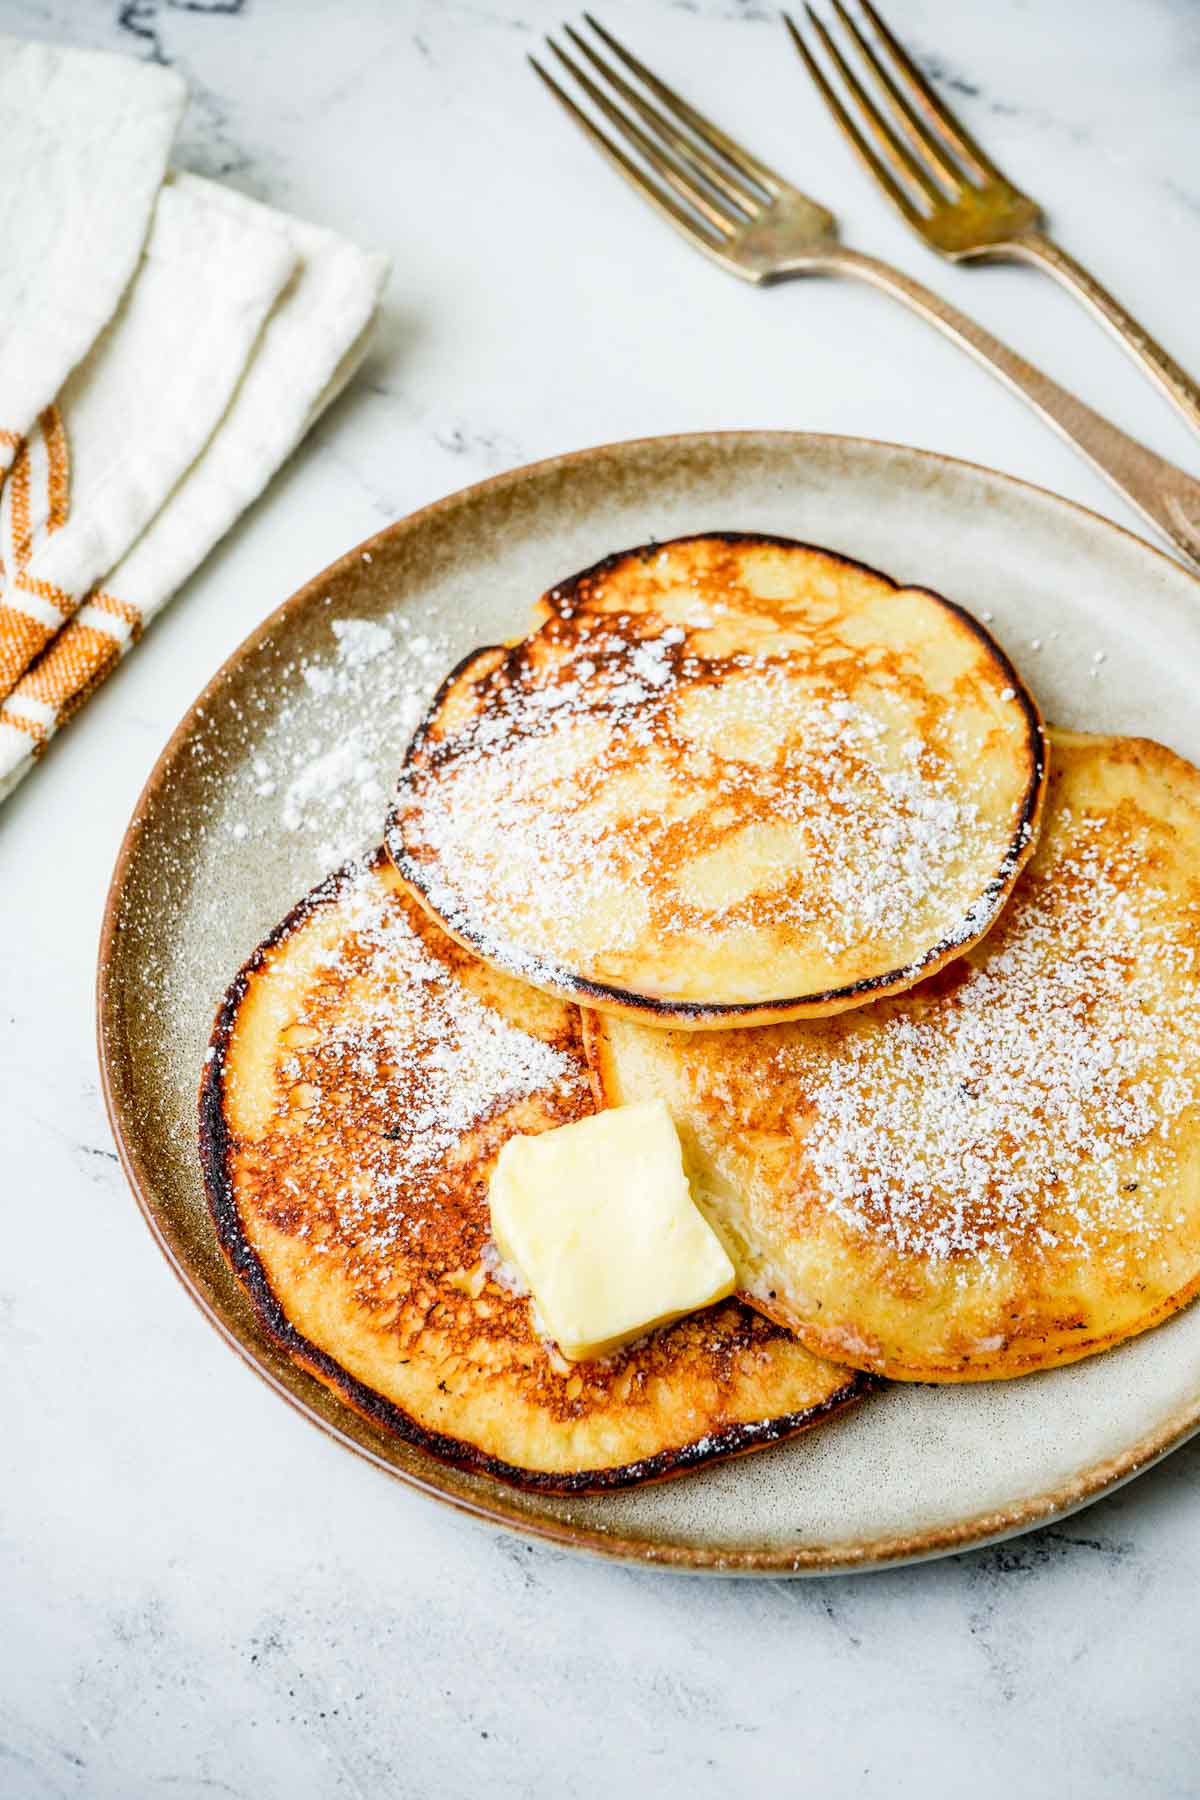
949 190
750 221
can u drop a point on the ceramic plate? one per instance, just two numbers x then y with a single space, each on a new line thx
284 765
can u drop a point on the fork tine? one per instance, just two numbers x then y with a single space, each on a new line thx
694 157
927 143
665 166
896 153
662 202
712 135
898 195
930 104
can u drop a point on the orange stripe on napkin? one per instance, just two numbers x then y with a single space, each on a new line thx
59 478
118 609
23 633
21 541
21 638
78 660
58 484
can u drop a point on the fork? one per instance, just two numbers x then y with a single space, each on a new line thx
752 223
953 195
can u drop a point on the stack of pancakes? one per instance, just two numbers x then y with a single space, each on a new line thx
745 827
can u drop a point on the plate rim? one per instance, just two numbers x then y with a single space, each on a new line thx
499 1509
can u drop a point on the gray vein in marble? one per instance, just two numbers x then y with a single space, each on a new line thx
139 18
489 449
1023 1555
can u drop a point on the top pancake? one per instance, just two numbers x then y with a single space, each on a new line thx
725 780
999 1171
363 1075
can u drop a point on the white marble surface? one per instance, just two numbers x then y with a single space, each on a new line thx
199 1595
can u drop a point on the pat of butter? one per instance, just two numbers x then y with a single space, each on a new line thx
599 1219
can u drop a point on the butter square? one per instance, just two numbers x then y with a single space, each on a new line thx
599 1219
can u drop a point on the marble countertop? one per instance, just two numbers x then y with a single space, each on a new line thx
199 1594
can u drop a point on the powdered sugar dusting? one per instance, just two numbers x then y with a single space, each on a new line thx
1031 1105
606 787
360 641
234 859
329 771
432 1058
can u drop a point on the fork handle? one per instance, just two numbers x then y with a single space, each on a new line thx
1162 493
1147 352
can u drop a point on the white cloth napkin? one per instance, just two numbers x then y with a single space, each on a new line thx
164 344
135 413
312 341
74 125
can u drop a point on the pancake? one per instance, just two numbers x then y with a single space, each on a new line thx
1000 1170
363 1074
725 780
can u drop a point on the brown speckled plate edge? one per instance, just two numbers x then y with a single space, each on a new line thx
498 1507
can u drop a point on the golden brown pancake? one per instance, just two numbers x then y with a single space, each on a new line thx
364 1073
726 780
1000 1170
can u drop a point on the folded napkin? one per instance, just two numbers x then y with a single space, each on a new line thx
311 344
147 413
77 126
134 414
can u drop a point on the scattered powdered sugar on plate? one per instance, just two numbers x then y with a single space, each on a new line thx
360 641
287 779
326 759
323 778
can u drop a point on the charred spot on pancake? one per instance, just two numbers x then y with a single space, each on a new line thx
944 981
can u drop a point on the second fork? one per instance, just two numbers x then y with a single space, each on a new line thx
748 219
952 194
